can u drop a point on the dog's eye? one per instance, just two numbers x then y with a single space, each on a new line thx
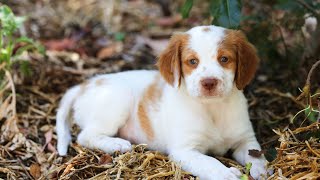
193 62
224 59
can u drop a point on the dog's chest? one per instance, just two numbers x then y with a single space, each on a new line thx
218 143
224 129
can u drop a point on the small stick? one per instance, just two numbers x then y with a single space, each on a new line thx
161 174
306 88
313 151
148 159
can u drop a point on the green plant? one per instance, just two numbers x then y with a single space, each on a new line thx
310 112
12 47
247 173
226 13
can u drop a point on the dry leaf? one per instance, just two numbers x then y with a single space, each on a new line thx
60 44
48 136
67 169
51 148
255 153
105 159
35 171
110 51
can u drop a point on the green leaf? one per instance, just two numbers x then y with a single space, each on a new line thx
30 41
22 49
9 23
119 36
24 39
186 8
41 49
4 55
311 115
226 13
244 177
248 167
25 68
271 154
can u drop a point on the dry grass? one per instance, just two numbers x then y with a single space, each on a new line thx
298 154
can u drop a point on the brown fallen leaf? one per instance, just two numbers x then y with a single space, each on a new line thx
48 136
67 170
60 44
35 171
110 50
105 159
256 153
51 148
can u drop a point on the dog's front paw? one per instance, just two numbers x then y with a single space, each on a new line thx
110 145
259 169
122 145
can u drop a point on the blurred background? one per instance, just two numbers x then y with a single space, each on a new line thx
88 37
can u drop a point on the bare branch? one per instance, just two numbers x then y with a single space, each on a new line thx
307 6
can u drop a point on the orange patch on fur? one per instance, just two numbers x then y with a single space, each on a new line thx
169 61
242 54
148 101
188 54
206 29
226 50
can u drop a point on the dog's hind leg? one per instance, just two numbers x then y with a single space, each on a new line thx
97 140
101 112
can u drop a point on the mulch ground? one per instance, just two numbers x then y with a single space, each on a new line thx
81 44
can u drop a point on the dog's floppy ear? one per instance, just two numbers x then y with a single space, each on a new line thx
247 60
169 61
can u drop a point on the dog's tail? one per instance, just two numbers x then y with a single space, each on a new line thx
64 122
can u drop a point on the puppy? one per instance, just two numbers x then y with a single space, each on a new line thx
192 106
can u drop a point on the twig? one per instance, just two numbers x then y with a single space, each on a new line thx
13 89
311 71
307 6
313 151
283 40
161 174
306 88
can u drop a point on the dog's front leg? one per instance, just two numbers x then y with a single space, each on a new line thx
203 166
241 154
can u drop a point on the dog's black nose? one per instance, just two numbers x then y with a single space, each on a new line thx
209 83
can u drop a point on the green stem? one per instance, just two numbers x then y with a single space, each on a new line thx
1 39
10 49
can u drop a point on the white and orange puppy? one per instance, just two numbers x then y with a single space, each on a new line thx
192 106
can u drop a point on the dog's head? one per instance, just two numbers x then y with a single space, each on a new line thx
208 61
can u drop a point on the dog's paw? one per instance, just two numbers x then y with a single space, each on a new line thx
259 169
110 145
230 174
122 145
234 173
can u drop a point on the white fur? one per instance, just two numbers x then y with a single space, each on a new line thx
185 126
206 46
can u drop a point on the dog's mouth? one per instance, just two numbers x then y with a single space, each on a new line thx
210 94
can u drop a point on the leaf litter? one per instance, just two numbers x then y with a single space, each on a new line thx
28 138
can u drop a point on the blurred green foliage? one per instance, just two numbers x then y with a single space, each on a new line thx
11 47
226 13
